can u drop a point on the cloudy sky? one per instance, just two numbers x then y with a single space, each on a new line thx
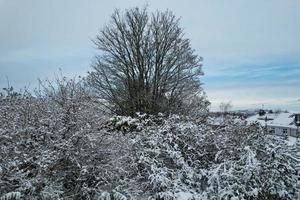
251 49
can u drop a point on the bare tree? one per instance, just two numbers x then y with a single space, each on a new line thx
146 64
225 107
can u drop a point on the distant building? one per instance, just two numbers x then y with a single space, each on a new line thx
281 123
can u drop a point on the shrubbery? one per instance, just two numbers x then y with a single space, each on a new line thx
50 153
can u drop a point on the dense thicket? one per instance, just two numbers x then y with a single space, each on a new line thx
60 145
145 64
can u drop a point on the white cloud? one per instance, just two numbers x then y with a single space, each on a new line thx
270 96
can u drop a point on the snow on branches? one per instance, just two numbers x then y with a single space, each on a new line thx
58 147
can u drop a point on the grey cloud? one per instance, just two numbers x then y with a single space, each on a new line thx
42 36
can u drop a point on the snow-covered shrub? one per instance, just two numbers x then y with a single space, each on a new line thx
124 124
160 157
111 196
11 196
181 157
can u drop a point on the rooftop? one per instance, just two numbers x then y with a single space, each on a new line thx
282 119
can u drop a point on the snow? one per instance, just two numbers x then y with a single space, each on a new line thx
254 192
184 195
170 157
291 141
11 195
281 119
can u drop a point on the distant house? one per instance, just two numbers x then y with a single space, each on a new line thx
282 123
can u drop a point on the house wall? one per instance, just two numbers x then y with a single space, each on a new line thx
294 133
277 130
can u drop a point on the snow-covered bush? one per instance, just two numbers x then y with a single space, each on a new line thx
43 156
129 124
111 196
11 196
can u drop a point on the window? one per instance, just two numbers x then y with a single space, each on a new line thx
284 131
271 130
